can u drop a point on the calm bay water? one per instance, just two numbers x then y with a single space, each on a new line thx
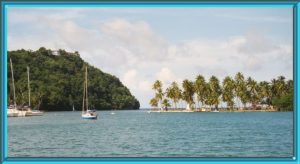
142 134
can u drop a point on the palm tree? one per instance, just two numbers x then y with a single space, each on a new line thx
290 86
180 97
177 93
278 86
153 102
253 92
169 93
281 85
188 92
157 86
240 88
215 91
228 91
166 104
244 91
201 89
274 88
281 89
208 99
174 93
265 93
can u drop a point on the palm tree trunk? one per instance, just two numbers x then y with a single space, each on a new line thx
181 104
161 106
172 104
238 102
202 104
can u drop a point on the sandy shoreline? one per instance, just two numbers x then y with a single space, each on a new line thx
191 111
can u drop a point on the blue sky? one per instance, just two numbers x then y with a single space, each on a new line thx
140 45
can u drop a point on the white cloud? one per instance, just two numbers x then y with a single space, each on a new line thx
255 50
145 85
165 75
256 43
274 19
135 52
129 78
137 38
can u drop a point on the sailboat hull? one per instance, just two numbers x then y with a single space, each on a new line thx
34 113
89 117
11 113
90 114
15 113
30 112
21 113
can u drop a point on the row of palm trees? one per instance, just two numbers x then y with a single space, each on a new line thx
237 92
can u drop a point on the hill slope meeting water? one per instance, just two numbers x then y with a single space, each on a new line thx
56 81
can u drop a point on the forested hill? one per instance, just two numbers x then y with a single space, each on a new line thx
56 80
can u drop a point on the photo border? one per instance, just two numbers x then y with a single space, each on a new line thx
3 114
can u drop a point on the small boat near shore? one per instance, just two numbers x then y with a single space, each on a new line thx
31 112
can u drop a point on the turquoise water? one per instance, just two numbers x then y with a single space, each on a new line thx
142 134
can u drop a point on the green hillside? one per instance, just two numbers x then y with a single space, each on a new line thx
56 80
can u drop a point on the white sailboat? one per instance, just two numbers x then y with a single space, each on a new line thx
29 111
86 112
12 110
73 108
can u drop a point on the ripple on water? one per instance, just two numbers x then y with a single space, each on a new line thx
140 134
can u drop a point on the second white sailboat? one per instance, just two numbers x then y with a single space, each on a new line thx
86 112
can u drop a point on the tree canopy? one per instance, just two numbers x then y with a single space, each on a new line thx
56 81
234 91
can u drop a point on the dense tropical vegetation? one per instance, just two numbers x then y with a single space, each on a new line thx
238 93
56 80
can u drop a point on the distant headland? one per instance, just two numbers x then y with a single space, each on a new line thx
57 82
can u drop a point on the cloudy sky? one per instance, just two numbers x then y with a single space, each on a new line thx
140 45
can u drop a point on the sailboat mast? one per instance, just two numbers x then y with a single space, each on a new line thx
28 86
83 97
12 77
86 90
